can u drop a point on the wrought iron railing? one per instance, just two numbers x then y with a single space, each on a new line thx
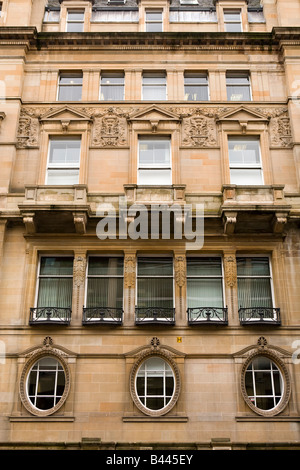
208 315
154 315
102 315
259 315
50 315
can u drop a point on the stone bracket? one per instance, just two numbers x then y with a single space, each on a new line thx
29 222
80 221
229 221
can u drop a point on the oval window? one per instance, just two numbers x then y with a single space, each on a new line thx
46 383
264 383
155 384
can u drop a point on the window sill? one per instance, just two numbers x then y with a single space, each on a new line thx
251 418
35 419
152 419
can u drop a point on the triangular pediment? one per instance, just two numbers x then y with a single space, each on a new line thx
154 113
65 113
243 114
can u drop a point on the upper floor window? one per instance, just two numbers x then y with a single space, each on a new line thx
154 165
112 86
238 86
104 282
254 282
233 21
204 282
154 86
70 86
195 86
63 161
75 21
154 21
155 282
245 160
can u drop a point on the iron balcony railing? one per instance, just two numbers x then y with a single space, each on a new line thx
208 316
50 315
155 315
102 316
259 316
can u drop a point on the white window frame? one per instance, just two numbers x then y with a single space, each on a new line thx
163 84
156 255
270 277
103 73
202 85
71 166
232 11
81 21
39 275
237 73
60 86
98 276
147 21
154 166
190 255
245 167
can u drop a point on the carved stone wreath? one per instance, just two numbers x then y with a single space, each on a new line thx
48 352
165 355
273 356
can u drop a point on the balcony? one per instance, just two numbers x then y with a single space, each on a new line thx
260 316
102 316
154 316
50 316
208 316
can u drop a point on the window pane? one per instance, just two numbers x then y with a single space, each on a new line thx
151 78
154 15
232 15
246 176
155 177
204 293
233 27
155 292
105 292
112 86
64 151
153 27
62 177
105 266
75 27
244 151
195 93
206 266
253 266
155 266
55 292
154 152
154 92
56 266
75 15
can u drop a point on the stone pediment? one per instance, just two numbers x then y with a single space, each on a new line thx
243 114
65 113
154 115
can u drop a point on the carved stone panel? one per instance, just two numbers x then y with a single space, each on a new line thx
109 130
230 270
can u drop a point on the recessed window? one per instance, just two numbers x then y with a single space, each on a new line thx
55 282
46 383
245 160
264 383
105 282
195 86
63 161
155 384
75 21
154 21
233 21
154 163
112 86
254 282
70 86
238 86
154 86
204 282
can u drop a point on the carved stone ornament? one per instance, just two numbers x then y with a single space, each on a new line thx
79 270
155 350
129 270
273 356
110 130
28 130
180 270
279 127
230 271
46 351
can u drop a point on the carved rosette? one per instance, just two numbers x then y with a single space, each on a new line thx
129 271
180 270
230 270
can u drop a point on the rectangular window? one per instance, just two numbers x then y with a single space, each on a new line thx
155 282
195 86
63 161
69 86
233 21
154 86
154 165
204 282
75 21
104 282
112 86
238 86
154 21
55 282
245 160
254 282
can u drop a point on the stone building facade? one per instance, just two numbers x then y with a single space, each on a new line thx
150 210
